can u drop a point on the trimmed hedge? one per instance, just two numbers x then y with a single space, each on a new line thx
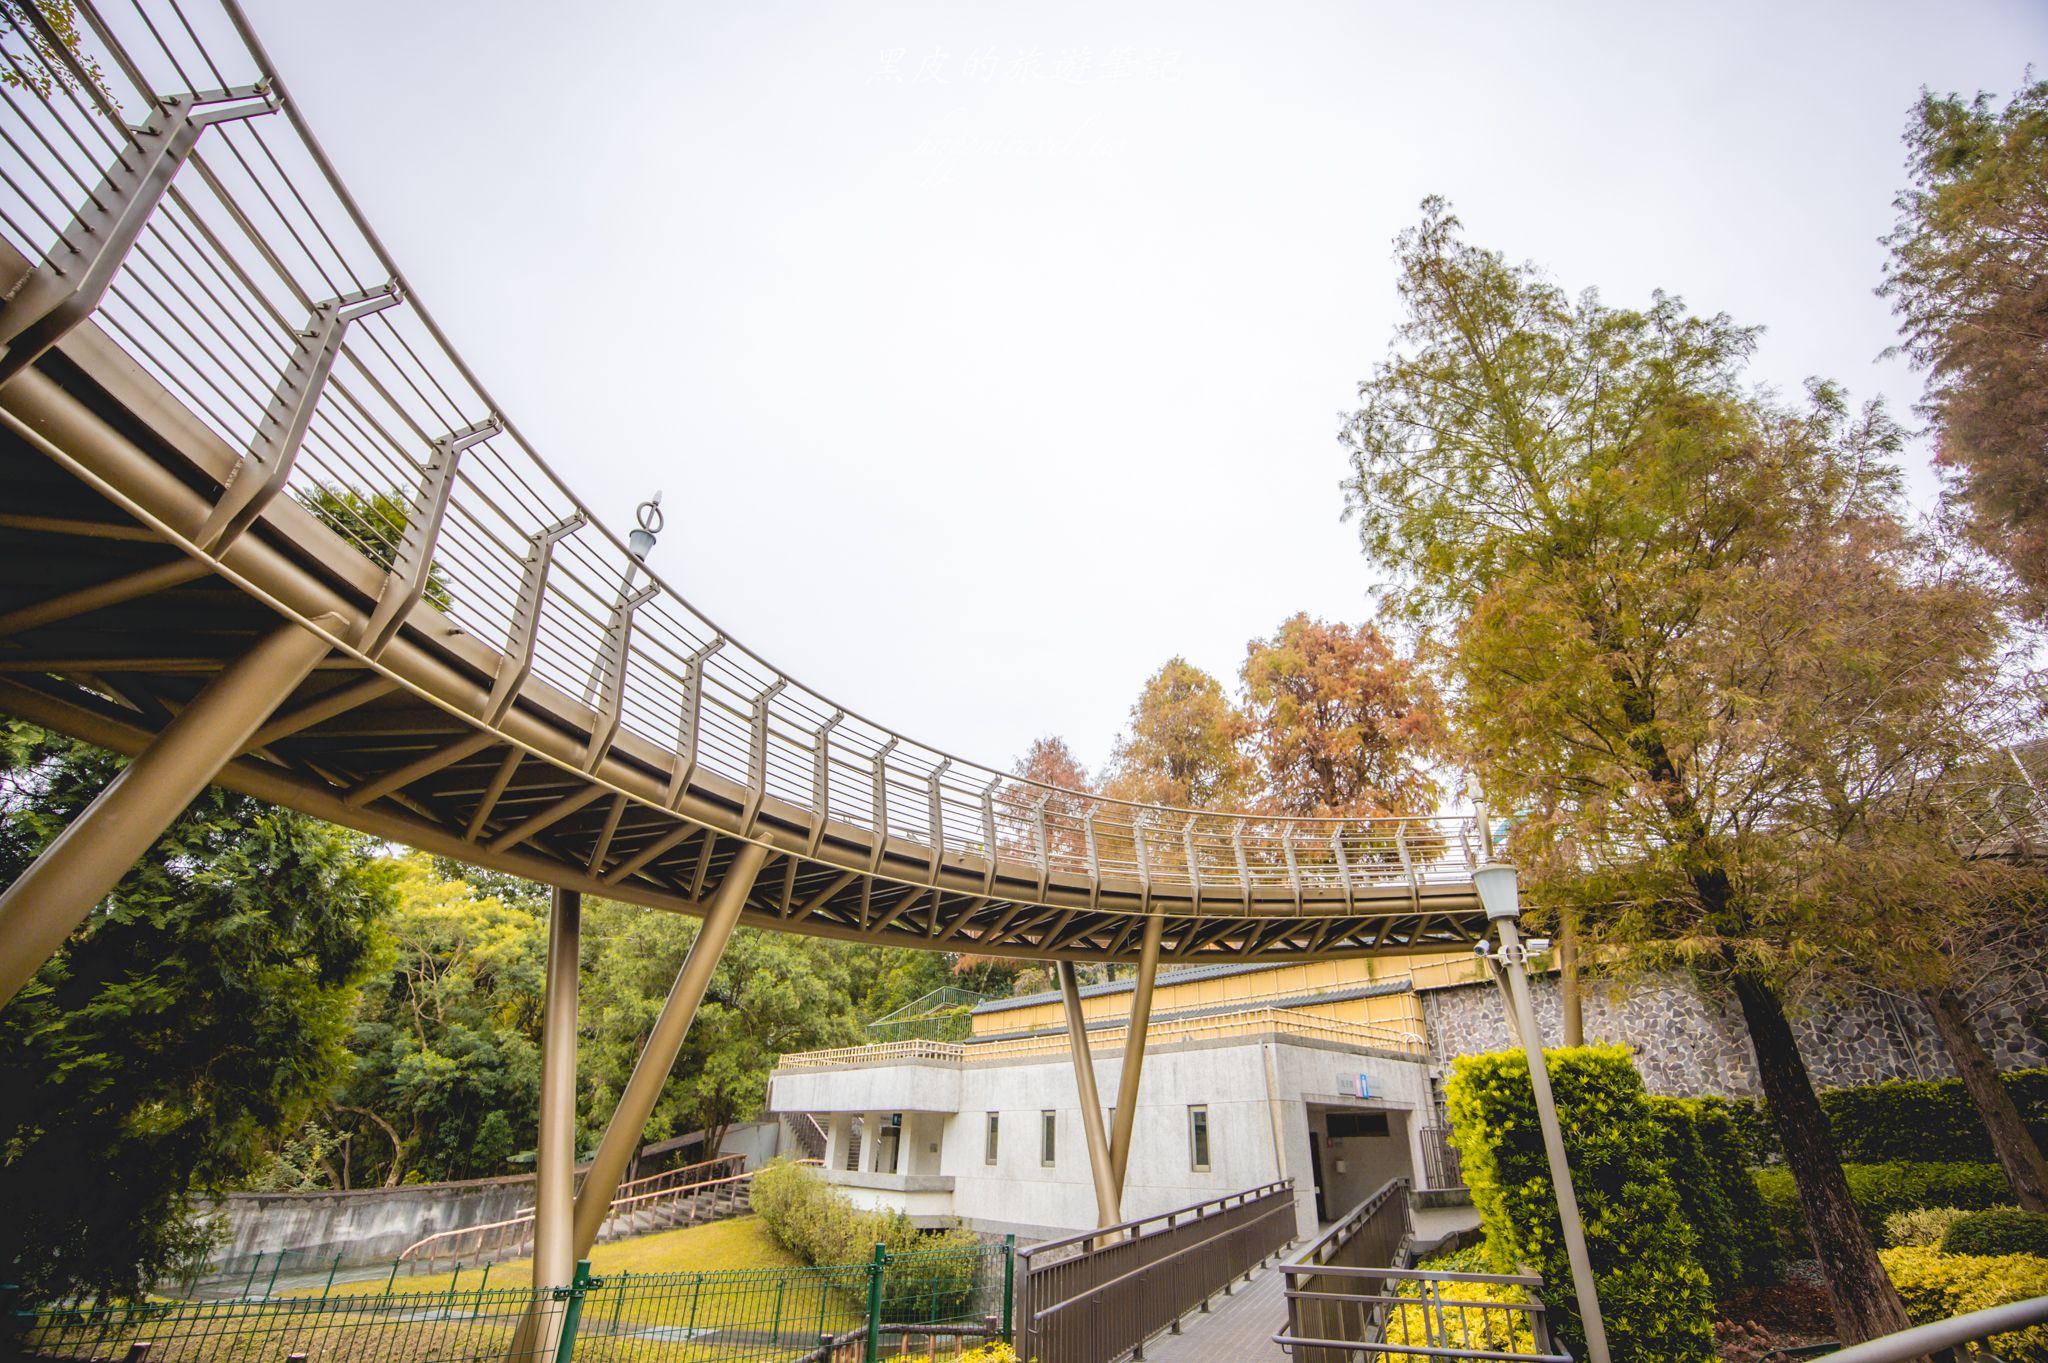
1881 1190
822 1228
1935 1286
1655 1295
2003 1230
1902 1119
1736 1242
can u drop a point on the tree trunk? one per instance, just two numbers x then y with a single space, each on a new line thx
1862 1298
1571 1004
2018 1154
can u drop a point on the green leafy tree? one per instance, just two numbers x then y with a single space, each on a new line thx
447 1076
1690 642
196 1016
772 993
1969 278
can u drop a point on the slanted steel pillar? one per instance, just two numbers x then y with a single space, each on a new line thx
1091 1101
658 1056
75 872
1523 1010
1134 1055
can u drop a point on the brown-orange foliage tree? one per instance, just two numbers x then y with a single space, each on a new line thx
1342 723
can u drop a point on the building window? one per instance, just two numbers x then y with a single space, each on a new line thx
1048 1138
1198 1138
988 1152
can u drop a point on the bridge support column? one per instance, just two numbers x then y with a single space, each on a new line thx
554 1150
658 1057
1134 1056
53 896
1091 1100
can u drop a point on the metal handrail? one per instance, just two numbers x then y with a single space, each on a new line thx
1165 1220
1930 1339
1285 1020
424 1249
215 297
1097 1296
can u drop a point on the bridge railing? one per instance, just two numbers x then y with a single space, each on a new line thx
1097 1296
156 152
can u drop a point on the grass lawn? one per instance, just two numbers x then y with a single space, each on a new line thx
742 1242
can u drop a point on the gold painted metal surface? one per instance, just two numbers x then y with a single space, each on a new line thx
510 685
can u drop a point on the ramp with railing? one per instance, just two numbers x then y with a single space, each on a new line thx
1351 1297
1097 1296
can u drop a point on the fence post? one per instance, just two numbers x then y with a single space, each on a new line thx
572 1312
1009 1285
874 1351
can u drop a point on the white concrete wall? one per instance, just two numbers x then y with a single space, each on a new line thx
1233 1079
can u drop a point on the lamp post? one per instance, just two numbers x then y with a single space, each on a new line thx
639 544
1495 882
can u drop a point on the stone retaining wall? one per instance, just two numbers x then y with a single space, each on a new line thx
1686 1044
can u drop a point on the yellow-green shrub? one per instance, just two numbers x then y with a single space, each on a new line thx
1922 1226
1653 1291
1447 1327
1935 1286
932 1276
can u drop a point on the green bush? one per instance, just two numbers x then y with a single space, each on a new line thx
1935 1286
1903 1119
1882 1190
1735 1241
1653 1291
931 1275
1998 1231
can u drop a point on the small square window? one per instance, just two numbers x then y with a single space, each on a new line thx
1198 1138
1048 1138
988 1153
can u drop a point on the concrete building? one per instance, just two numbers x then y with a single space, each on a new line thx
1329 1073
1319 1072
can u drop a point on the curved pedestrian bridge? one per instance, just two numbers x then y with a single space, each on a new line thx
224 410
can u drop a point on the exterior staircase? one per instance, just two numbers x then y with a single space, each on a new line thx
715 1190
810 1135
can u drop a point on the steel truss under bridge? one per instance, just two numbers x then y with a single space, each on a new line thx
224 409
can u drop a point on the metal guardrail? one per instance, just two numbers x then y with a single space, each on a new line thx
1286 1021
165 157
1442 1167
1097 1296
1348 1298
513 1235
1936 1337
840 1312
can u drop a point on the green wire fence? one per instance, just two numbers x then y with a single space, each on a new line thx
934 1303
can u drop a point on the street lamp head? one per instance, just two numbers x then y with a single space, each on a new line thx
640 542
1495 882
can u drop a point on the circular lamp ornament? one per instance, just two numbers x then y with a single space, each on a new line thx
640 542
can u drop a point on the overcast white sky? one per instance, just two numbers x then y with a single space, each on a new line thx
991 354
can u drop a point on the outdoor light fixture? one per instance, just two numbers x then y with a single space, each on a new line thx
640 542
1495 882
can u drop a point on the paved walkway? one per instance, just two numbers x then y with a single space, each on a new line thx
1238 1329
